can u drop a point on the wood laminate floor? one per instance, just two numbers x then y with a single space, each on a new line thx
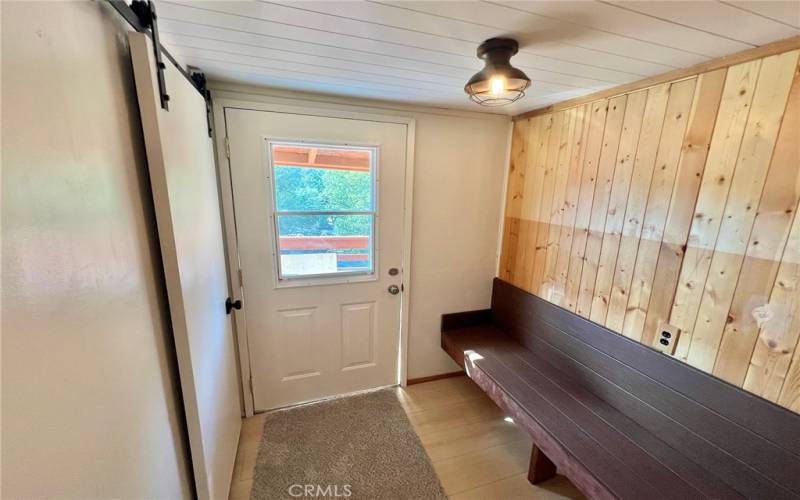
477 453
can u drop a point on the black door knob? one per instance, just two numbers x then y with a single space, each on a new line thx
231 304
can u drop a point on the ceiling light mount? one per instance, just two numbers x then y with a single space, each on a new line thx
498 83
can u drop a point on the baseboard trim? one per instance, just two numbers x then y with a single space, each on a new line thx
431 378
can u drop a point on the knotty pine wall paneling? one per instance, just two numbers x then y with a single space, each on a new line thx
644 163
674 204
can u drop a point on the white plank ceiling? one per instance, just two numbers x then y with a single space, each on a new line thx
423 52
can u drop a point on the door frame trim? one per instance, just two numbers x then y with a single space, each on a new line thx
229 222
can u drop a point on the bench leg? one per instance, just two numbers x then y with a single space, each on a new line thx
541 468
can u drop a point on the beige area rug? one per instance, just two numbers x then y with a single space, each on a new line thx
355 447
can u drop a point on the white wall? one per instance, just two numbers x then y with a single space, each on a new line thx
89 401
459 172
458 183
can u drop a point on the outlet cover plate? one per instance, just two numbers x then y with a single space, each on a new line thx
673 332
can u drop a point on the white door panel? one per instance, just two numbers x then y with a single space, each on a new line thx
184 183
316 336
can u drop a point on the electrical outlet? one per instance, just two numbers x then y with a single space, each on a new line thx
667 339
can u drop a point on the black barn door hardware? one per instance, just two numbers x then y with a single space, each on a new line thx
146 12
199 79
139 24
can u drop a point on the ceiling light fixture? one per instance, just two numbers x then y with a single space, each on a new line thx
499 82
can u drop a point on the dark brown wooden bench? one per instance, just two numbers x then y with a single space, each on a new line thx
619 419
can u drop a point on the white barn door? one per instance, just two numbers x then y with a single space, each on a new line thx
183 177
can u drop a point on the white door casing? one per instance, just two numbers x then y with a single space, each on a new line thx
317 337
185 194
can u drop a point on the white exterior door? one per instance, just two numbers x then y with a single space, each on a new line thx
180 158
319 205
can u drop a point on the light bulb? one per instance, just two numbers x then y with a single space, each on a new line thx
498 84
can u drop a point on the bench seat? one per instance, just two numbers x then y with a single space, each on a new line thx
585 415
587 439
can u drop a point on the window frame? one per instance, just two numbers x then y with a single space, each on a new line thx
281 281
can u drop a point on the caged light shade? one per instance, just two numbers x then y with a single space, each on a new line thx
499 82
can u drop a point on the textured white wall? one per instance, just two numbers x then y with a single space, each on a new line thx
460 162
458 184
89 401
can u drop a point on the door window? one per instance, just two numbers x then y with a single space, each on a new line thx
324 209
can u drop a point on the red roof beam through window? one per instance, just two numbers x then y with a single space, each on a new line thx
324 242
357 160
